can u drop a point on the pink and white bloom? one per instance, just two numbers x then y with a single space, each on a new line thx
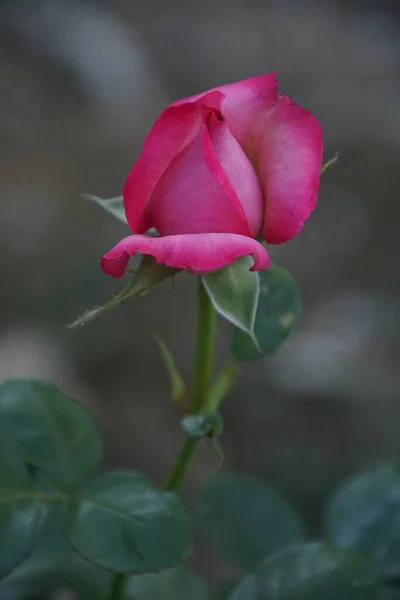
218 170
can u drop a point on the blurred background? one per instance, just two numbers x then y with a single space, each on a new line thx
81 84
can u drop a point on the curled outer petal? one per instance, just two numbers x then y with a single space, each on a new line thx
200 253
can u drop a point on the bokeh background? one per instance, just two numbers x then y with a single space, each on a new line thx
81 83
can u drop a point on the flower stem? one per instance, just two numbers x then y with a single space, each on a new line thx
181 464
118 585
204 349
205 339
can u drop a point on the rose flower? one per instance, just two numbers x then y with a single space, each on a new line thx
217 171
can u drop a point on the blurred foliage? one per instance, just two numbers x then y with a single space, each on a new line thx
59 527
278 309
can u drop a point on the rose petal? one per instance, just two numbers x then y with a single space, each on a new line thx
173 131
234 171
288 145
196 195
243 102
200 253
284 143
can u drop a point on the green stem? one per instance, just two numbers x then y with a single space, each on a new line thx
205 339
203 364
181 463
118 585
204 349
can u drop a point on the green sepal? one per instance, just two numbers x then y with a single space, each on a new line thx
279 306
234 291
114 206
332 161
149 274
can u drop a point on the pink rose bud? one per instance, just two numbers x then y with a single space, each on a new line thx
217 170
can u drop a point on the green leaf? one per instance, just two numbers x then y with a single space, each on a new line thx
178 387
22 512
122 522
279 306
246 519
223 591
53 565
148 275
389 593
233 292
50 552
314 571
179 583
365 514
115 206
57 438
202 424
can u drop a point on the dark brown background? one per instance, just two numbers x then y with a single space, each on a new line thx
81 83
